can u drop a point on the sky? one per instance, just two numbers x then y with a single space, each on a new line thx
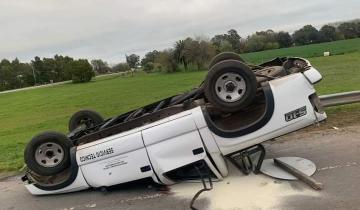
109 29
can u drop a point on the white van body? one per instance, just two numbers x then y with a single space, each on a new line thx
157 148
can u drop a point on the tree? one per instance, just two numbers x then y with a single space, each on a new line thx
255 43
350 29
49 66
79 71
306 35
271 45
264 40
50 69
198 52
100 66
284 39
269 35
217 39
192 51
179 53
225 46
6 76
207 51
234 39
328 33
149 57
148 67
23 74
120 67
40 72
60 63
132 60
15 74
167 60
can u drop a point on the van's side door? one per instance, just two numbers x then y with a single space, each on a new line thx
114 160
173 144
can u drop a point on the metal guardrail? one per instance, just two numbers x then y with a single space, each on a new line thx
340 98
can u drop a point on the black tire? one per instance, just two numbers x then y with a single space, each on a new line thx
225 56
48 138
88 117
247 78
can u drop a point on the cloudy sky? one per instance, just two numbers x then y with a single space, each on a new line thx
108 29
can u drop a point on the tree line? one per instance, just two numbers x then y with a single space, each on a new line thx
196 52
15 74
186 54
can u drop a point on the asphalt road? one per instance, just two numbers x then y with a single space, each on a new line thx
335 152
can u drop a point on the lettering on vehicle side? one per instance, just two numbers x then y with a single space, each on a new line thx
97 154
295 114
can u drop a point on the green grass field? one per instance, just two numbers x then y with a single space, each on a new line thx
308 51
26 113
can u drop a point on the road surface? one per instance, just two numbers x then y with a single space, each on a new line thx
336 152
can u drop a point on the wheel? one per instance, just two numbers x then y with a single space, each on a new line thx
225 56
48 153
85 117
230 86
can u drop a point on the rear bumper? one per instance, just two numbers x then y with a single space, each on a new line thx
78 184
73 180
318 108
293 110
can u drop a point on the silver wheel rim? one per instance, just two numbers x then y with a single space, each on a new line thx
49 154
230 87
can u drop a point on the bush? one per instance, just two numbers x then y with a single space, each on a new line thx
121 67
158 67
79 71
255 43
167 61
271 45
148 67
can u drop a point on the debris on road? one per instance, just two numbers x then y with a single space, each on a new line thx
336 155
304 165
338 166
299 174
93 205
238 190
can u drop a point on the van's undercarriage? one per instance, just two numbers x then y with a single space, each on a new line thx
227 121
